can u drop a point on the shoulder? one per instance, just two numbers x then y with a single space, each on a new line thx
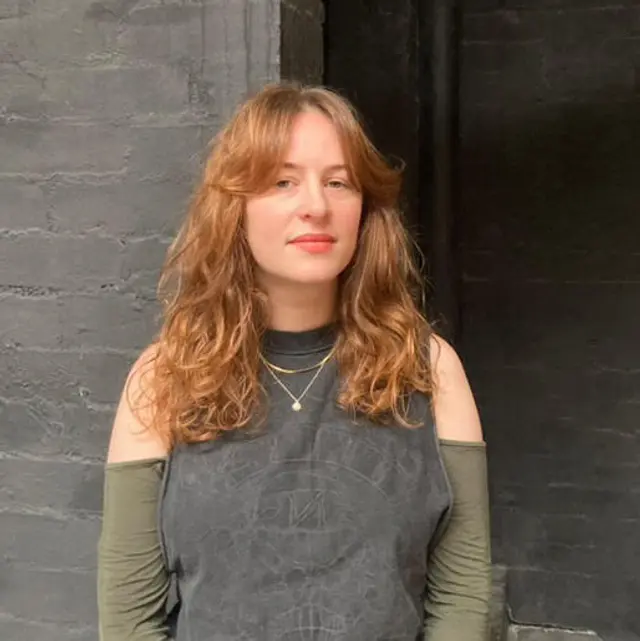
133 436
454 407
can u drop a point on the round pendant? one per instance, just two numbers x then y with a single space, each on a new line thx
296 407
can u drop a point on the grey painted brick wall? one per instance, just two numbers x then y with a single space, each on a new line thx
105 110
550 246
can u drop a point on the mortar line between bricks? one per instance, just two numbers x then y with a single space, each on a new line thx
10 618
178 120
111 351
498 42
123 239
12 455
98 408
549 281
585 518
582 428
62 516
581 632
553 572
46 569
52 293
509 253
513 509
40 178
582 487
549 10
76 177
544 368
66 294
573 546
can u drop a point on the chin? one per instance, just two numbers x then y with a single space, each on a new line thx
314 279
311 275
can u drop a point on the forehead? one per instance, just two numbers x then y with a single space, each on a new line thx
314 139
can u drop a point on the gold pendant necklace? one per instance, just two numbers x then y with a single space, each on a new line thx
297 405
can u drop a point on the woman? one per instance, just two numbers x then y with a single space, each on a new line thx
309 450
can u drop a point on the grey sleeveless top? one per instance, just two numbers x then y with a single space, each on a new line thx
316 528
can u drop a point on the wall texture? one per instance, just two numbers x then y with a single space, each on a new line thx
550 247
302 40
105 109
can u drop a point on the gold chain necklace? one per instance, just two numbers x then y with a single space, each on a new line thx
282 370
296 405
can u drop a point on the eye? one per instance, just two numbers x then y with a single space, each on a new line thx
338 184
284 183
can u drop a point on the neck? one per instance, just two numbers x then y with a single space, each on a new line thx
301 308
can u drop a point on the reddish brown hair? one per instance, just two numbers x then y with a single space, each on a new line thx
205 375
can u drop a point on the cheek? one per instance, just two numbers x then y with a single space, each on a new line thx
260 227
348 218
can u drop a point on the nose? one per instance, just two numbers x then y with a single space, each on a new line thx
314 201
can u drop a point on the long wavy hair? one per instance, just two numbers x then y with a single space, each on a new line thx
205 360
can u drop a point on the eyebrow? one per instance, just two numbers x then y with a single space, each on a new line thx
292 165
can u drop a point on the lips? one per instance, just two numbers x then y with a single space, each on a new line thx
313 238
314 243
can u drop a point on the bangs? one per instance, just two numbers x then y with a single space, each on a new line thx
252 149
251 152
267 145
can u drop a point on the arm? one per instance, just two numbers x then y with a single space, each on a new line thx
133 583
459 573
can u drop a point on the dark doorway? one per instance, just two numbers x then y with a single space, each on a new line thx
396 60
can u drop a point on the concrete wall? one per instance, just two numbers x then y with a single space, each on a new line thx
550 246
105 109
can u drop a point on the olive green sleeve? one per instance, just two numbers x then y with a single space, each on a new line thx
133 583
459 571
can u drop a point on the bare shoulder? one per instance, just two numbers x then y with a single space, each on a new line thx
131 438
454 407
